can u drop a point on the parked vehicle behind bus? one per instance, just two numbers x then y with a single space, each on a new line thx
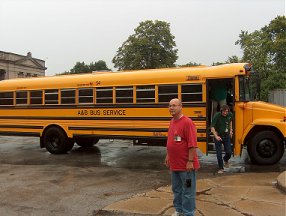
62 110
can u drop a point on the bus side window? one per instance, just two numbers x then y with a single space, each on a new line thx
6 98
68 96
36 97
167 92
192 93
85 95
104 95
21 97
124 94
51 96
145 94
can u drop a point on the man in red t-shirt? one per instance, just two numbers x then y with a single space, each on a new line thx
182 159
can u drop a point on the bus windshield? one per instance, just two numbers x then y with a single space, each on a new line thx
249 87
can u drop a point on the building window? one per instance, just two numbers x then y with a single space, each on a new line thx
21 75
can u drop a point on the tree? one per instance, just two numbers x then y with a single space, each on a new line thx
151 46
266 50
190 64
81 67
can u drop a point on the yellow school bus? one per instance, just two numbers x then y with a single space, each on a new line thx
62 110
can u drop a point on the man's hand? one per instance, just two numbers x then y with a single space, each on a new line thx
167 162
231 133
190 166
218 138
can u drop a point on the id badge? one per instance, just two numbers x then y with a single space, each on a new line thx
177 138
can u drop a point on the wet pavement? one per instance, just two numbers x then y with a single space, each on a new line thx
91 181
242 194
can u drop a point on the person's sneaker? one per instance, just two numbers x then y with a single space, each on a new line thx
177 214
226 164
220 171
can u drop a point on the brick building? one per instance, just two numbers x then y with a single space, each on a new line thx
18 66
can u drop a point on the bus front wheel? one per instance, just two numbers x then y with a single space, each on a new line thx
86 141
56 141
265 148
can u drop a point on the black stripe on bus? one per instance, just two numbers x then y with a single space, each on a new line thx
127 129
106 106
21 126
201 139
201 130
106 136
10 133
121 129
98 118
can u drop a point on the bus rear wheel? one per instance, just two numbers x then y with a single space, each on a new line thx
265 148
86 142
56 141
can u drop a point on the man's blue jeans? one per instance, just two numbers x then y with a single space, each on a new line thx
227 149
184 196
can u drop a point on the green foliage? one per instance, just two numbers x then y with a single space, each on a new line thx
190 64
151 46
266 50
81 67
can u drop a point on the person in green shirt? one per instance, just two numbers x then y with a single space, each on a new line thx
218 94
221 127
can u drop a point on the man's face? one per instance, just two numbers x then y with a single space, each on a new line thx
175 108
224 112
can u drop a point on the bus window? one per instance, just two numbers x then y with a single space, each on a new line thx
192 93
104 95
145 94
68 96
36 97
21 97
85 96
51 96
244 88
6 98
167 92
124 94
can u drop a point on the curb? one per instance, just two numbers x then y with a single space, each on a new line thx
281 181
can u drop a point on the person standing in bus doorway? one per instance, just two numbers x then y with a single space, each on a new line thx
182 159
218 94
221 128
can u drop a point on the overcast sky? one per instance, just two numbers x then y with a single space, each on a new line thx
62 32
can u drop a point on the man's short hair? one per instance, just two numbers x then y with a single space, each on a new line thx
224 107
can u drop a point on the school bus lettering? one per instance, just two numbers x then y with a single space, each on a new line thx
82 112
94 112
160 134
114 112
191 78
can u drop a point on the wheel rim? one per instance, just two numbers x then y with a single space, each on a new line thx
266 148
53 141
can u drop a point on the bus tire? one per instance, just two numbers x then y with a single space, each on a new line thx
87 142
265 148
55 140
70 145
